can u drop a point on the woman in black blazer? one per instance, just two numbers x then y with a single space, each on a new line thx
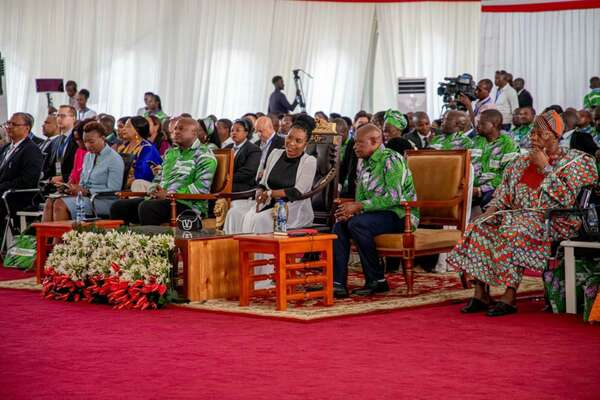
247 156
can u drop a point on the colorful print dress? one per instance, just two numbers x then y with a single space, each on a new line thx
496 249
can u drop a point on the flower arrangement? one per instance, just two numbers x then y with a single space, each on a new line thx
122 268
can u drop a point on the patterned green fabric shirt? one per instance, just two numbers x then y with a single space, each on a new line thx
454 141
160 114
490 159
188 171
521 135
343 148
383 181
592 99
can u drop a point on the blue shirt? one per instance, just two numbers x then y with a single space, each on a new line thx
102 172
142 169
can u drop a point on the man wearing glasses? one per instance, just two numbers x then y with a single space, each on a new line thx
63 155
20 164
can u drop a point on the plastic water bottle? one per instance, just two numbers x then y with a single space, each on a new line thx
593 218
280 217
80 208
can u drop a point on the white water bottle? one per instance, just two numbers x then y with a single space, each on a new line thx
80 208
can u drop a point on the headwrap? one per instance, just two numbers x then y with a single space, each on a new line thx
210 125
395 118
550 121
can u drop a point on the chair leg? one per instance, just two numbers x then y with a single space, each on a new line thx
407 270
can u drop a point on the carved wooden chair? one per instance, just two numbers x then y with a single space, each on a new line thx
324 145
222 184
441 181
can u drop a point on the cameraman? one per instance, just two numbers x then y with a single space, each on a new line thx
484 100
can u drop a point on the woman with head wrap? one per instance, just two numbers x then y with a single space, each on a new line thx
511 235
394 123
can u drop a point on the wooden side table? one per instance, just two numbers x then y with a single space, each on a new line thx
210 265
51 230
570 292
289 272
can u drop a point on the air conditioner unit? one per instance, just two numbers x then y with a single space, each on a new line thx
411 94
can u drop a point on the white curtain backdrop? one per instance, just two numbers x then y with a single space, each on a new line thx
429 40
555 52
212 56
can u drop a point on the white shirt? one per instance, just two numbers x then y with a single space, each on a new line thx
11 150
85 113
237 147
227 142
507 102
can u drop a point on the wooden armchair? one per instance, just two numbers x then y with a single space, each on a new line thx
441 181
324 145
222 184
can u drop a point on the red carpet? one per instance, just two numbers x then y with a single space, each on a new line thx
10 274
53 349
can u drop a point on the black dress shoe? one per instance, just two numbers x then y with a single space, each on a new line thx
340 292
474 305
500 309
371 288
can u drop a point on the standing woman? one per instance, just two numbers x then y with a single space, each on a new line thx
157 136
289 174
136 133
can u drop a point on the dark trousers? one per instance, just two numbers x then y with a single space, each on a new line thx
144 212
362 229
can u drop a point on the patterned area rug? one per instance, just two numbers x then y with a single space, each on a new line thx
430 288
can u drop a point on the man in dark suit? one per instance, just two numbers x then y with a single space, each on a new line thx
525 99
65 148
48 146
419 136
267 142
20 165
247 157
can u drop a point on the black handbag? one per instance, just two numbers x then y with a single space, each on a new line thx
189 221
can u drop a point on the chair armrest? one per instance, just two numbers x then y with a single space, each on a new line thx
237 195
14 191
125 195
433 203
186 196
326 180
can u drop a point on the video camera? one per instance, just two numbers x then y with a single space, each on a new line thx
454 87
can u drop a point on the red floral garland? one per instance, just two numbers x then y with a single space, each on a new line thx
101 289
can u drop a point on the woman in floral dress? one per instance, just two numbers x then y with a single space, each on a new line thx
511 235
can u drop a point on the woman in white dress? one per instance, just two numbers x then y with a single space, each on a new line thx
289 173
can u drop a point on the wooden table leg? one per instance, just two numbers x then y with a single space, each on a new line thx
329 273
40 257
245 278
570 289
281 280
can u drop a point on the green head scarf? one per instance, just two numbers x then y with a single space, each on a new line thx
395 118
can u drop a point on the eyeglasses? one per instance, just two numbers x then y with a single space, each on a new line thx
10 124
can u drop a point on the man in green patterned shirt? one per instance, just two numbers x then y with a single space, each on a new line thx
188 168
592 99
452 138
383 182
520 133
491 153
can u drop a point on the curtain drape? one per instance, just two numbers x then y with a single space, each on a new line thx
555 52
429 40
202 57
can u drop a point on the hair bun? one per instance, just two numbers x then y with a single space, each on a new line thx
307 122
